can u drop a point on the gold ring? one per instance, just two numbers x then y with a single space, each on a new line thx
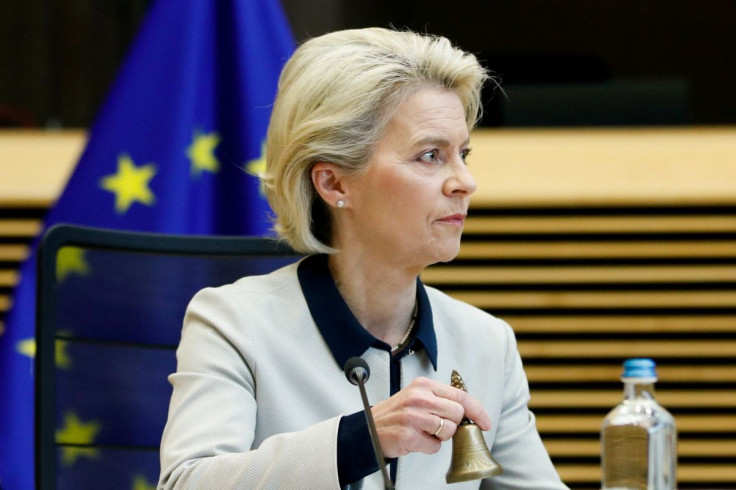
439 429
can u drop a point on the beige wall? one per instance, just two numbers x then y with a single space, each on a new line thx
513 167
35 165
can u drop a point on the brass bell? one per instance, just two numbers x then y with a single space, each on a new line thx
471 459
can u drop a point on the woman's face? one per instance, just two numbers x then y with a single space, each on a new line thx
410 204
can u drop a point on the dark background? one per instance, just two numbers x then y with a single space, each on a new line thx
560 62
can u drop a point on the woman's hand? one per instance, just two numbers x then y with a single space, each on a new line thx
410 420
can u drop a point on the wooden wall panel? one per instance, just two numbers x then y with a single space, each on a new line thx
586 288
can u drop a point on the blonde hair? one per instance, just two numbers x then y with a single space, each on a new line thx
335 96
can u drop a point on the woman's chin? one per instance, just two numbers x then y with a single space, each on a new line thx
447 253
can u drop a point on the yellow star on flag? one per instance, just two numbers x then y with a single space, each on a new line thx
71 260
257 167
76 432
140 483
130 184
27 347
202 153
63 360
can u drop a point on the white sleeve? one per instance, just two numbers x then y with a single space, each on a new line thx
517 446
208 439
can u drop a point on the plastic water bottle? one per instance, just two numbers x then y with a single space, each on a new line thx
638 437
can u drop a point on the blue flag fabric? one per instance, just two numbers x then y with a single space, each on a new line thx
176 149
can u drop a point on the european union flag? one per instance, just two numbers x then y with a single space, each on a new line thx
177 148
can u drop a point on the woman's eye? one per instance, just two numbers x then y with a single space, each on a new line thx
429 156
464 154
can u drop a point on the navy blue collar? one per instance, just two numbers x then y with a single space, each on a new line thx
344 335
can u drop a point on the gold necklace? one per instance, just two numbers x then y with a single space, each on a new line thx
403 341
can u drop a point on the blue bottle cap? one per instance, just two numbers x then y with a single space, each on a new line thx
639 368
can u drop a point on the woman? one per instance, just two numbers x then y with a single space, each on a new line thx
366 173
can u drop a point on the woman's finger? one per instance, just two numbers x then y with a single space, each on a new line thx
472 408
444 429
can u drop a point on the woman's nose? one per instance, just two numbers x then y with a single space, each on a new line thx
461 181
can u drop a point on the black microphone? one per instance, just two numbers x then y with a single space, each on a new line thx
358 372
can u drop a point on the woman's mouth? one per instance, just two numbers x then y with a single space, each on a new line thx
457 219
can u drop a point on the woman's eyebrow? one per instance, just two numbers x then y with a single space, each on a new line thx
437 141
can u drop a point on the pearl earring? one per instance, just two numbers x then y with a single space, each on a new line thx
340 203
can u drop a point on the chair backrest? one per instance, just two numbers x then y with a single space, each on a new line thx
109 311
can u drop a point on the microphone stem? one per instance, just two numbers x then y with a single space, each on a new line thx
387 483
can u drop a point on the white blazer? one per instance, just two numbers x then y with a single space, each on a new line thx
258 396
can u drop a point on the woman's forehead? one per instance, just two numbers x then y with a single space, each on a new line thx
430 115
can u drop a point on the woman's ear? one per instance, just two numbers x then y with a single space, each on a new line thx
327 179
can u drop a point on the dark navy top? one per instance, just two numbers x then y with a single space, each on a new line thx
346 338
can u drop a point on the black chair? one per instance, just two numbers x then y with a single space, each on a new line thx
109 311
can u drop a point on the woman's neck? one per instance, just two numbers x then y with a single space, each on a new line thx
381 296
